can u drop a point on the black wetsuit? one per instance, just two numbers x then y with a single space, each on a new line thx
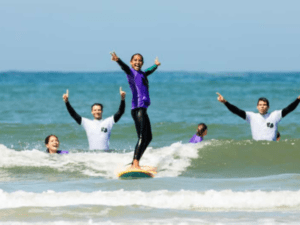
143 130
78 118
242 113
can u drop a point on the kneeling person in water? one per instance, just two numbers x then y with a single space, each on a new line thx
263 124
98 130
201 132
52 144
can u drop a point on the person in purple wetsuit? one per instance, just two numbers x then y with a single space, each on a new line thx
139 86
52 144
201 132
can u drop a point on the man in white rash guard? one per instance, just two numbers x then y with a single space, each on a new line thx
98 130
263 124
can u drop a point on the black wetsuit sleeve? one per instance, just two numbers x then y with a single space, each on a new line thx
290 108
120 112
150 70
73 113
235 110
123 66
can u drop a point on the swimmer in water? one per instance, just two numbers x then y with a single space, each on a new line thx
139 86
201 132
263 124
52 144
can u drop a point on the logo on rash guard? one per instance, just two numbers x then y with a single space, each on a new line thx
103 129
271 125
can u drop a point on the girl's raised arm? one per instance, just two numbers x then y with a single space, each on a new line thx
152 68
123 66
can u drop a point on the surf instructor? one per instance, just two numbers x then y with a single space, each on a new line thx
263 124
98 130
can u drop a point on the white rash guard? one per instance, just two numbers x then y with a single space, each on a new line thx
98 132
264 127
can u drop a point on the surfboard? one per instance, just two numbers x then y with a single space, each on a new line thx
145 172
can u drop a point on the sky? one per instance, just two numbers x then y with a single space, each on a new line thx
186 35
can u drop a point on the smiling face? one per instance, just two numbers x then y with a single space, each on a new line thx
97 112
53 144
137 62
262 107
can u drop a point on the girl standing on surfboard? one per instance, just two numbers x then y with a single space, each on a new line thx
139 86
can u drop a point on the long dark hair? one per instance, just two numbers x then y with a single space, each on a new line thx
47 140
201 129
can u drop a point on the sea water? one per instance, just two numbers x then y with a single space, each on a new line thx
226 179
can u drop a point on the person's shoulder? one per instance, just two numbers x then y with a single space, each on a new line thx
130 72
250 113
85 119
62 152
277 112
109 119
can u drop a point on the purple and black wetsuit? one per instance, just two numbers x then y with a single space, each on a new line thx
196 139
60 152
139 86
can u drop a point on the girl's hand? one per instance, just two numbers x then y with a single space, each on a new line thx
114 56
157 62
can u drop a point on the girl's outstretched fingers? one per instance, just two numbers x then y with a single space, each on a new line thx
157 61
114 56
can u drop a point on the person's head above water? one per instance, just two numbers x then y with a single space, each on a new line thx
263 105
97 110
52 143
137 61
202 130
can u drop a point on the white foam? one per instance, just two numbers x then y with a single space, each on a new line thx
171 161
173 221
186 200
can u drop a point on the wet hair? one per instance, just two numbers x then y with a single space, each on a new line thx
97 104
264 100
202 129
135 55
277 135
47 140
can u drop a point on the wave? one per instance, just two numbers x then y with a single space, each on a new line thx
246 159
171 161
208 159
210 200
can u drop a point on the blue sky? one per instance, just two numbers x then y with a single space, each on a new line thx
190 35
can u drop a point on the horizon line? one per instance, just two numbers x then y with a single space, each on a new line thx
164 71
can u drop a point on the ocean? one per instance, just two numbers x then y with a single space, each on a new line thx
226 179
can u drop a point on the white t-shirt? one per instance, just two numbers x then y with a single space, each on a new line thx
264 127
98 132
